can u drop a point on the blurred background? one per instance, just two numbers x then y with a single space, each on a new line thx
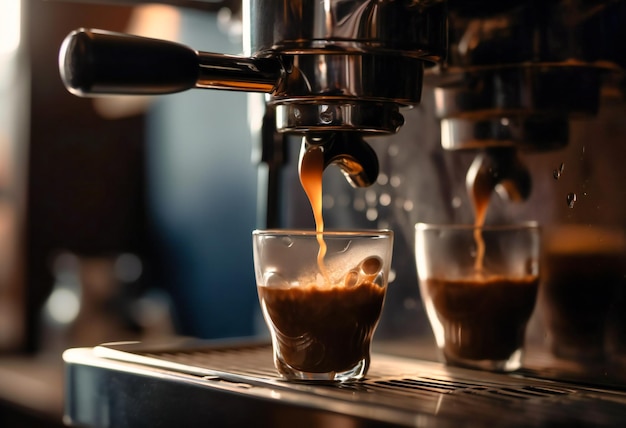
115 214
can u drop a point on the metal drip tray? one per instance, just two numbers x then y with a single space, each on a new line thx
190 383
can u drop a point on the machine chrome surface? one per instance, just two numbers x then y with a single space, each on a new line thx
411 28
397 392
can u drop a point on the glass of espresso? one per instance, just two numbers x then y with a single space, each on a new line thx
322 295
479 287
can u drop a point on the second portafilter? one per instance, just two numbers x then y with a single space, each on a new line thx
517 72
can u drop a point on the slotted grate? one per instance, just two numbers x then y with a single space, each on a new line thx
438 386
247 360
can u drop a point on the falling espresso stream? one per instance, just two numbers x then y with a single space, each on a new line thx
480 190
311 169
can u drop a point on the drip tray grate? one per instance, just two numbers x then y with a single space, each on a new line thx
398 391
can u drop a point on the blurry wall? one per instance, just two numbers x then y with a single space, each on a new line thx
202 197
168 179
85 173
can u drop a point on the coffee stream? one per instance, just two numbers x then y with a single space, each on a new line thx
480 193
480 186
311 169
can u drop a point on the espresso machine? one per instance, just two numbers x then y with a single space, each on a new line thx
415 101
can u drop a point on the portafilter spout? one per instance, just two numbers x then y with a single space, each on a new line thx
499 169
356 159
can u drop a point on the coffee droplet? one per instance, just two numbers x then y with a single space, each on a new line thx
287 241
351 279
371 265
368 270
274 280
558 172
571 199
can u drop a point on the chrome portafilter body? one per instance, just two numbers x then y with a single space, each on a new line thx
351 65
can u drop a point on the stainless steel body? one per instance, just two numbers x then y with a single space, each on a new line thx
187 383
348 61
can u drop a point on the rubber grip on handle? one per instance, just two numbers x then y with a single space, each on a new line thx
95 62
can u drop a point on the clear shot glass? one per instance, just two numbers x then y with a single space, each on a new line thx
322 295
479 287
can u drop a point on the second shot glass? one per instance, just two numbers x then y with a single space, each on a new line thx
479 287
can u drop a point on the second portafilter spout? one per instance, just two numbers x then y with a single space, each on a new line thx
499 169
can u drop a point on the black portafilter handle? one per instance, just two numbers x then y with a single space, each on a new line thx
98 62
